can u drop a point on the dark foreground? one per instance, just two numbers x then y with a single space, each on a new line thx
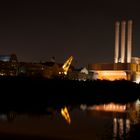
85 124
24 137
24 93
38 96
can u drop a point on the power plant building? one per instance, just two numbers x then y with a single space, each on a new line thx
124 67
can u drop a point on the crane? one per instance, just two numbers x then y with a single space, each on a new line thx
67 64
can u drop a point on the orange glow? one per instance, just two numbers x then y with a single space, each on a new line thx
67 64
112 75
65 114
111 107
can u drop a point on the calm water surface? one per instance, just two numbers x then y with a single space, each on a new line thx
97 122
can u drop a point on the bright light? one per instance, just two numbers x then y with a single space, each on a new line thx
67 64
65 114
111 75
138 101
109 107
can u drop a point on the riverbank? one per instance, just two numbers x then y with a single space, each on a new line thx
36 90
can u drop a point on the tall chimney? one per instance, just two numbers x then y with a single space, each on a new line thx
116 53
129 41
123 23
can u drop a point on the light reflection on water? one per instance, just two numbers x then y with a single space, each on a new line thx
65 114
121 128
107 121
123 116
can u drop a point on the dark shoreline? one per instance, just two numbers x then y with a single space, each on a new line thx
38 92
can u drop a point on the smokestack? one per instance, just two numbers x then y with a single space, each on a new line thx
123 23
129 41
116 53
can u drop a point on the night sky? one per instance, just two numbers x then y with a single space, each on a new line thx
39 30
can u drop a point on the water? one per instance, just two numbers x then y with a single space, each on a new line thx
97 122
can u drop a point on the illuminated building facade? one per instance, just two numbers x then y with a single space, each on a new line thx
124 67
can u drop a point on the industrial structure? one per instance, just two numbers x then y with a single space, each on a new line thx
48 70
10 66
123 67
66 65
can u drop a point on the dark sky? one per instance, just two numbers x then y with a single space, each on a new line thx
38 30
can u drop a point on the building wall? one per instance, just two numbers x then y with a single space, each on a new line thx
114 66
110 75
115 71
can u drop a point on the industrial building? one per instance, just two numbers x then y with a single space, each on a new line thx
124 66
8 65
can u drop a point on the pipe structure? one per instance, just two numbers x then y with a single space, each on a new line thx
116 53
129 41
123 23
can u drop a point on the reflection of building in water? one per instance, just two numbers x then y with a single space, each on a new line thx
121 124
123 116
134 112
121 127
137 106
118 113
110 107
131 110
